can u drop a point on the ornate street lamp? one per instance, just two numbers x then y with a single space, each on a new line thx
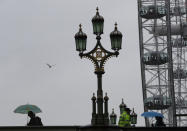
116 39
98 23
133 117
99 55
80 40
113 117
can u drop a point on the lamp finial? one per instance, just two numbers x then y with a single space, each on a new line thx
80 27
115 25
97 9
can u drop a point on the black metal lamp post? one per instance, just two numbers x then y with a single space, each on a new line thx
133 118
99 55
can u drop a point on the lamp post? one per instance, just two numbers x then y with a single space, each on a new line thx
99 55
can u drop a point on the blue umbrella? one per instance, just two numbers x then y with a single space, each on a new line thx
152 114
24 109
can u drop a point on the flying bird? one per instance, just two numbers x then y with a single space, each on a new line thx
50 66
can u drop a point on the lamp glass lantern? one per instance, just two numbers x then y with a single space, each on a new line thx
116 39
98 23
113 118
133 117
122 107
80 40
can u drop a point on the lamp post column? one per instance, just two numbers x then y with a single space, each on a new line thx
106 118
100 117
93 121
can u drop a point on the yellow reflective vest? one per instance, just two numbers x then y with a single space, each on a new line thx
124 120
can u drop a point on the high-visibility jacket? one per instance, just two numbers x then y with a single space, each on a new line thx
124 120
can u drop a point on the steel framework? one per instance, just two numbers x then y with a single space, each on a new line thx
162 40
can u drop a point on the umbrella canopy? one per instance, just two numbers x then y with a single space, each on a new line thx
24 109
152 114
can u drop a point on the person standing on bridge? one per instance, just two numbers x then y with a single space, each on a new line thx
159 122
124 120
35 120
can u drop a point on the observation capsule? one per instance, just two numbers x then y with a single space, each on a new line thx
184 31
176 29
178 11
152 12
155 58
181 102
178 43
185 101
158 102
180 74
161 30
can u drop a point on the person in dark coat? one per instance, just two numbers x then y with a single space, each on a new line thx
159 122
34 120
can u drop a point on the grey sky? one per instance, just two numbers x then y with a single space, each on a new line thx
36 32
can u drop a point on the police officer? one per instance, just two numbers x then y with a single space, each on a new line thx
124 120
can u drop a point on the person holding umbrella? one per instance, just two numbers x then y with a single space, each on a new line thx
159 122
158 116
34 120
30 110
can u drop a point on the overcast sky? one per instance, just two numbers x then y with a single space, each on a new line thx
36 32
